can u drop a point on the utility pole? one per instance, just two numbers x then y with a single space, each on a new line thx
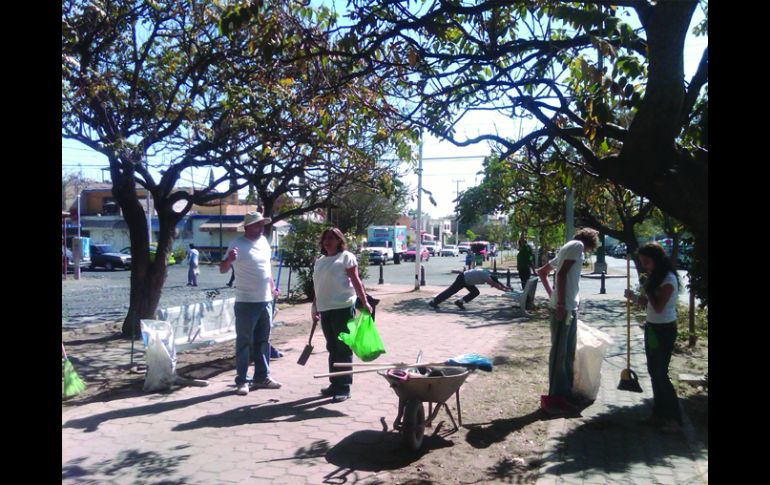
569 226
457 220
149 206
417 254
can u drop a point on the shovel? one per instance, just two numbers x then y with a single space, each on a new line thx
629 381
305 355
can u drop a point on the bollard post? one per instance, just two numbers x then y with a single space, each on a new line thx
422 275
508 278
603 290
494 265
381 278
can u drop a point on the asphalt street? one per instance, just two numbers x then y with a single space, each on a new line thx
103 296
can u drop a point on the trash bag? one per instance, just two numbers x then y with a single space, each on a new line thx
589 354
474 361
158 337
363 338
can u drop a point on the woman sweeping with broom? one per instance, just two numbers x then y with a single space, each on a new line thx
660 294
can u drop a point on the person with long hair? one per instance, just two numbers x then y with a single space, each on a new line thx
659 295
564 302
337 284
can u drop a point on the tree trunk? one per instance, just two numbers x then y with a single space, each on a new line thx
649 164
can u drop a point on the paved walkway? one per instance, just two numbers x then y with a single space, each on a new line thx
293 435
606 445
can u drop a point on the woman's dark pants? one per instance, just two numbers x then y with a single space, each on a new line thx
659 341
334 322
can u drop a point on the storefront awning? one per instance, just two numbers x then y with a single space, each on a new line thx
210 226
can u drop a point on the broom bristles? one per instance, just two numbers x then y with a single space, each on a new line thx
72 384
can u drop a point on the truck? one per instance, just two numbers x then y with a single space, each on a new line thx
386 243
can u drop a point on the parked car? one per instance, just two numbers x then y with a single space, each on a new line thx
411 252
464 247
102 255
432 247
71 261
449 250
153 249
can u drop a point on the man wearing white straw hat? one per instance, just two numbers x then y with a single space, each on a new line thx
250 256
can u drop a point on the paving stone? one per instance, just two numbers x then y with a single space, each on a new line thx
284 436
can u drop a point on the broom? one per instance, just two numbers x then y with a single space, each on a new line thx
629 381
71 384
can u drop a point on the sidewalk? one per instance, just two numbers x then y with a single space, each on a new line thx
293 435
605 445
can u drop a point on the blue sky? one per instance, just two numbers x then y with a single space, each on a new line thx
444 163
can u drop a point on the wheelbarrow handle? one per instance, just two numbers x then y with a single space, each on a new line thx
398 365
350 372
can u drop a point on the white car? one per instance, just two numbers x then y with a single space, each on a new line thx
432 248
449 250
464 247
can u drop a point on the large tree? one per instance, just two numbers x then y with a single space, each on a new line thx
570 66
313 135
160 78
140 78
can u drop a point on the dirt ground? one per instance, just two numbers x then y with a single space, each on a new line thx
503 432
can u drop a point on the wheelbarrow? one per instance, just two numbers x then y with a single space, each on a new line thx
413 388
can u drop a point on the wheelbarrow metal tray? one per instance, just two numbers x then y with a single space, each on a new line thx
429 389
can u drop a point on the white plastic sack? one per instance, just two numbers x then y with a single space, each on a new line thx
589 354
158 337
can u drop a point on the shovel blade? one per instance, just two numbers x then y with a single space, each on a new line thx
305 355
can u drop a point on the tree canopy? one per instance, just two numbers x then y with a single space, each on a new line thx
160 85
605 77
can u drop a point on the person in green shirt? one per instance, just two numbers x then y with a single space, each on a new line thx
525 261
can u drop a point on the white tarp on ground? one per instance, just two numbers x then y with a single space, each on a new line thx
199 324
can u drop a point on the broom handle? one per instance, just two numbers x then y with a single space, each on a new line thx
628 313
385 367
63 351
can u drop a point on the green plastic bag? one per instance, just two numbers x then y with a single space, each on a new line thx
363 338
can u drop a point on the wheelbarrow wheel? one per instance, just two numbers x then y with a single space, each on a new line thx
414 424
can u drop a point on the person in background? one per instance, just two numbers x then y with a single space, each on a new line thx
338 287
232 278
564 303
469 259
659 295
193 270
525 261
468 280
250 255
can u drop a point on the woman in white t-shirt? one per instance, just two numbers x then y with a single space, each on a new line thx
660 294
336 283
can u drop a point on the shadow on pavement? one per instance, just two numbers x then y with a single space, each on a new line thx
299 410
91 423
373 451
481 312
483 435
150 467
576 450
